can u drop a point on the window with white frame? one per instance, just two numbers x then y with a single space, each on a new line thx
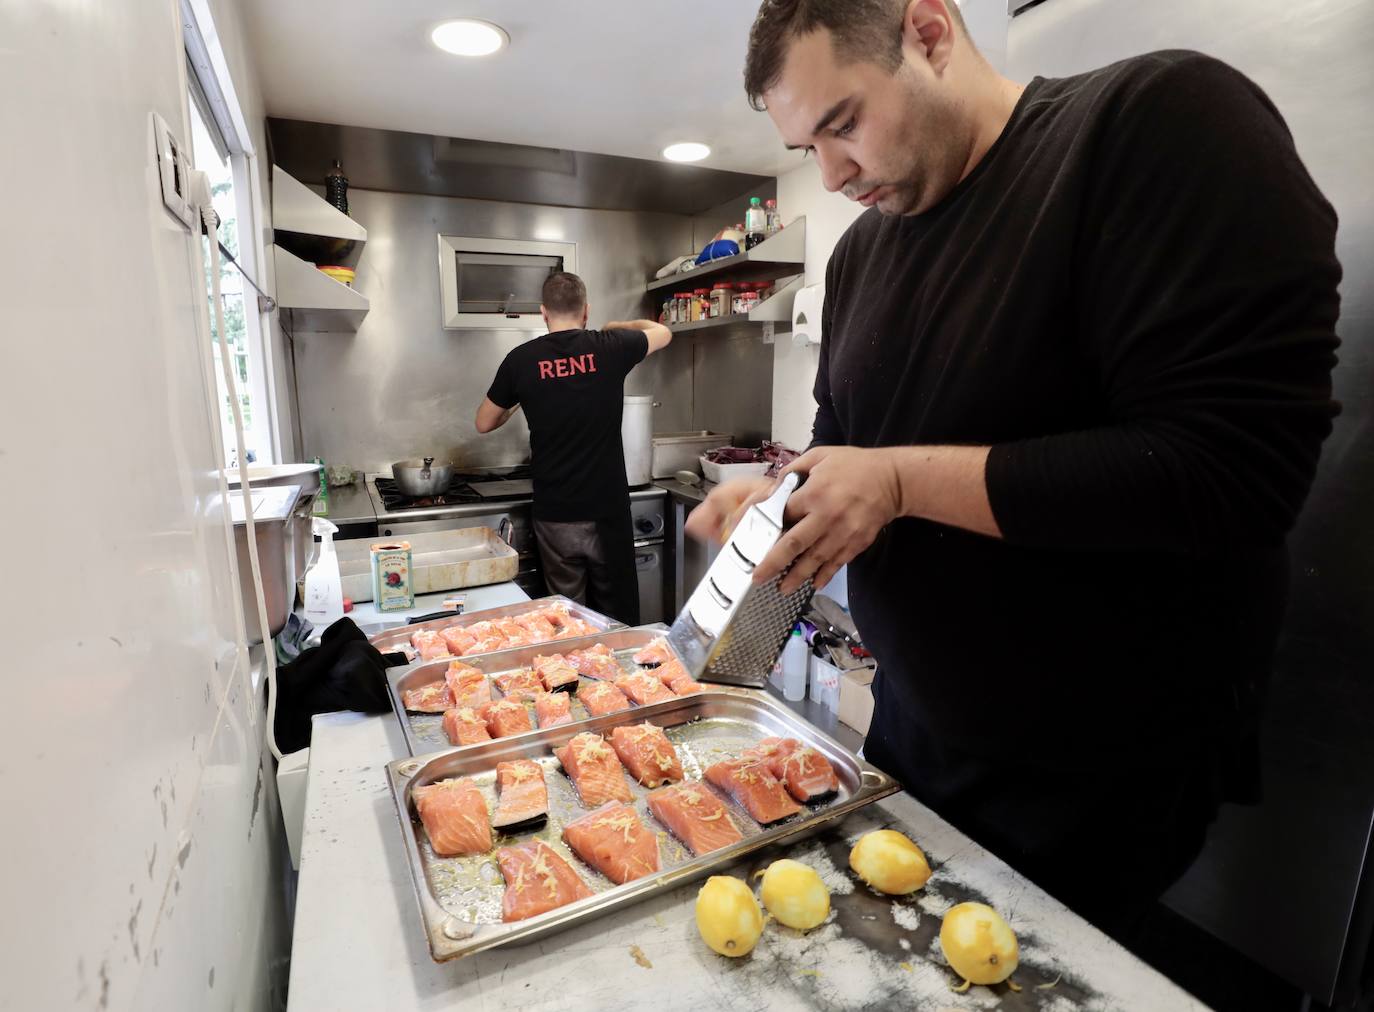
222 155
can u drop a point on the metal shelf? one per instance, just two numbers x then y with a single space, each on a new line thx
776 310
777 256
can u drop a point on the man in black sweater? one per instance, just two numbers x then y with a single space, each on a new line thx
1074 382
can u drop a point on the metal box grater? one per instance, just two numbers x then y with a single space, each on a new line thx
732 630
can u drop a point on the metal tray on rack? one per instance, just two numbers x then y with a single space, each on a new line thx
425 731
460 898
399 638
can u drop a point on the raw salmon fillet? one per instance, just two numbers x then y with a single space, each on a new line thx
685 685
467 685
805 773
647 754
615 842
521 683
601 698
537 624
695 816
430 645
506 718
465 726
594 769
455 817
458 640
435 697
556 613
521 796
552 709
516 635
748 781
674 675
577 627
557 673
657 652
596 662
669 670
808 775
770 751
537 880
643 688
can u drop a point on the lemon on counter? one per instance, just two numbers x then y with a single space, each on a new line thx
978 943
728 916
795 895
889 862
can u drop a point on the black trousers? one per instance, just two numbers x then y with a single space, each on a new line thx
592 562
1104 834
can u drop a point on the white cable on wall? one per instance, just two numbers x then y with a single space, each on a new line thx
201 190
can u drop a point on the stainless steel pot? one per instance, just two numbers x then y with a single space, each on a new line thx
636 437
422 477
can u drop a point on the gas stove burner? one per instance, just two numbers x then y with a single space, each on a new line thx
458 493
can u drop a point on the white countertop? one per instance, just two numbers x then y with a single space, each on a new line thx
359 944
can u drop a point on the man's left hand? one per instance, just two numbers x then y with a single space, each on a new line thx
849 496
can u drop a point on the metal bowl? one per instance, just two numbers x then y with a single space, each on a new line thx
421 478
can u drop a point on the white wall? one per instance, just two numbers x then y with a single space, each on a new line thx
794 369
827 216
140 848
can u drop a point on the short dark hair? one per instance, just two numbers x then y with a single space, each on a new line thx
860 30
564 294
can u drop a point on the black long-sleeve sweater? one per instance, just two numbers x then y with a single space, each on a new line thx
1132 299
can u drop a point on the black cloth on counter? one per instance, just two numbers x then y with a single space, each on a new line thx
345 672
1132 299
571 386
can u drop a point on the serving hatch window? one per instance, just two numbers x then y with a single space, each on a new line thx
497 284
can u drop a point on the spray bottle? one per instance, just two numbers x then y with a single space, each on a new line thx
323 587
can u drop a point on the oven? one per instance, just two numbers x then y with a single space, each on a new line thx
648 518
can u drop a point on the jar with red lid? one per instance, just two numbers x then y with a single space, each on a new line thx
722 298
701 303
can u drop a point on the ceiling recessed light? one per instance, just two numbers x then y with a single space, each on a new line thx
688 152
469 37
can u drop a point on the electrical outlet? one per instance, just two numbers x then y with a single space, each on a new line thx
174 170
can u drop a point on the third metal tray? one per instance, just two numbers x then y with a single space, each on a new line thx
399 638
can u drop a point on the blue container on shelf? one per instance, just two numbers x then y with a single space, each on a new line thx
718 250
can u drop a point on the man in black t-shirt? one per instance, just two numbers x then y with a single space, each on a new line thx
571 385
1072 389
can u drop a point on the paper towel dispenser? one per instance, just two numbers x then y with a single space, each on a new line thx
806 315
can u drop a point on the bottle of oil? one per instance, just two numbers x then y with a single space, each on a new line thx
336 187
755 223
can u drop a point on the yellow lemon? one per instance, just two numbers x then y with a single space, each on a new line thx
889 862
979 945
795 895
728 916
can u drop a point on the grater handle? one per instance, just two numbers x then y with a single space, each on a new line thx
774 506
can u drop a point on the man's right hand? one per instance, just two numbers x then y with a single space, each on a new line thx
717 516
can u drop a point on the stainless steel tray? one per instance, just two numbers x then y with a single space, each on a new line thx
460 898
399 638
425 731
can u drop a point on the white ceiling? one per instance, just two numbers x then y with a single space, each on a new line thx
621 78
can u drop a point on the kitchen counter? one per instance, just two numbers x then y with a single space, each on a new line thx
350 504
358 942
687 493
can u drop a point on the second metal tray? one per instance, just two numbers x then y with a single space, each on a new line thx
425 731
460 898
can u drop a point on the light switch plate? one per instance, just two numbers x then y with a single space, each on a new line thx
174 169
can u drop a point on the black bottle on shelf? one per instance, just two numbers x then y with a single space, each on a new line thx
336 187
